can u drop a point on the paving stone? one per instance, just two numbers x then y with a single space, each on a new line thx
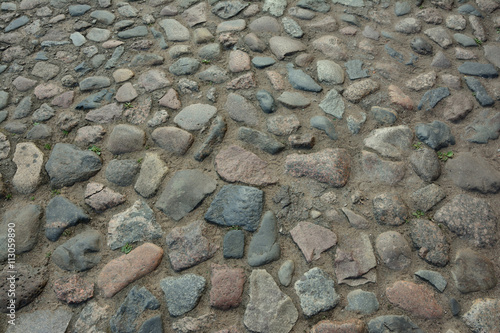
44 113
416 299
360 89
43 91
483 315
390 172
234 244
292 27
431 242
215 136
262 62
188 246
64 100
120 272
408 26
479 91
269 309
465 40
241 110
244 81
421 46
294 100
227 286
396 323
331 47
266 101
329 72
473 173
195 116
434 278
42 321
312 239
436 135
172 139
271 25
228 9
355 220
171 100
260 140
440 36
363 302
457 107
29 160
392 142
315 5
264 247
427 197
152 171
73 289
153 80
190 324
182 293
354 262
426 164
282 125
485 127
285 46
106 114
389 209
286 272
394 250
350 325
316 292
79 253
152 325
125 139
255 43
23 84
45 70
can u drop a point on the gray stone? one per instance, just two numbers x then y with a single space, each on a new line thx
44 113
153 169
94 82
301 81
173 139
389 209
256 44
241 110
146 60
427 197
127 10
402 8
103 16
136 224
117 53
355 262
456 22
78 10
371 33
484 128
483 315
137 301
122 172
492 54
228 9
236 205
195 116
473 173
479 91
421 46
260 140
329 72
266 101
264 246
45 70
98 35
184 192
215 136
432 97
324 124
269 309
23 109
408 26
125 139
384 116
174 30
477 69
231 26
440 61
392 142
350 3
139 31
363 302
355 220
316 5
274 7
184 66
17 23
152 325
316 292
465 40
440 36
429 238
213 74
473 272
294 100
392 323
78 39
39 132
29 161
68 164
234 244
41 321
285 46
436 135
283 125
354 71
263 62
292 28
434 278
60 214
286 272
79 253
182 293
333 104
469 9
106 114
394 250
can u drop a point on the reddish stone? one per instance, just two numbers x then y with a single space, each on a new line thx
138 114
313 239
43 91
360 89
100 198
398 97
73 289
235 164
239 61
64 100
276 80
120 272
348 326
415 298
244 81
171 100
227 286
89 134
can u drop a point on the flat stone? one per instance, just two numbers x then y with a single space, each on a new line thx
213 74
195 15
465 40
389 209
153 80
171 100
182 293
103 16
152 325
396 323
316 292
228 9
266 101
362 302
188 246
241 110
331 46
73 289
479 91
264 246
360 89
257 45
286 272
45 70
354 262
44 113
23 109
263 62
282 125
491 53
427 197
137 301
392 142
473 173
236 164
301 81
231 26
215 136
292 28
477 69
355 220
120 272
440 36
29 161
172 139
408 26
42 91
122 75
432 97
125 139
98 35
457 107
94 82
440 60
431 242
23 84
422 81
485 127
174 30
394 250
17 23
260 140
414 298
434 278
483 314
79 253
294 100
146 60
390 172
329 72
64 100
271 25
274 7
285 46
312 239
42 321
426 164
239 61
234 244
106 114
227 286
279 315
195 116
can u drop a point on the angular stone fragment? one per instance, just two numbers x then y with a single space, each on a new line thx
355 220
136 302
175 31
60 214
264 246
331 46
312 239
440 36
182 293
260 140
120 272
354 262
101 198
417 299
392 142
426 164
427 197
215 136
241 110
473 173
79 253
227 286
483 315
73 289
316 292
396 323
285 46
42 321
333 104
434 278
473 272
363 302
431 242
173 139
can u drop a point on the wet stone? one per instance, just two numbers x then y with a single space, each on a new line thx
234 244
394 250
361 301
434 278
182 293
312 239
260 140
73 289
355 262
316 292
431 242
416 299
333 104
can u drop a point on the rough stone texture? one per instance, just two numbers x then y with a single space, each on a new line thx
188 246
316 292
363 302
473 173
471 218
79 253
414 298
264 246
120 272
195 116
41 321
101 198
172 139
153 169
431 242
381 324
182 293
241 110
394 250
473 272
347 326
73 289
426 164
285 46
389 172
391 142
227 286
434 278
60 214
427 197
355 262
122 172
313 239
356 91
389 209
184 192
269 309
125 139
483 315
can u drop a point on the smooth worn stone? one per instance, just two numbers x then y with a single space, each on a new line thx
234 244
120 272
389 172
15 127
331 47
153 80
64 100
122 172
173 139
360 89
479 91
78 10
392 142
394 250
330 166
286 272
196 14
184 66
174 30
202 35
354 71
292 27
266 101
402 8
23 84
421 46
329 72
182 293
455 307
465 40
350 325
363 302
268 24
241 110
122 75
473 173
485 127
139 31
440 61
68 164
355 262
478 28
235 164
244 81
42 91
153 169
427 197
284 46
213 74
294 100
90 134
324 124
42 321
264 246
471 218
60 214
440 36
436 135
188 246
483 315
27 225
316 292
125 139
215 136
260 140
321 6
103 16
106 114
126 93
195 116
239 61
408 26
136 302
227 286
491 53
282 125
152 325
431 242
414 298
78 39
263 62
301 81
269 309
255 44
426 164
228 9
231 26
396 323
98 35
312 239
434 278
477 69
29 161
73 289
184 192
171 99
94 82
389 209
17 23
236 205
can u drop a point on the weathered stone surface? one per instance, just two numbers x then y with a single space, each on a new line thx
363 302
269 309
29 161
182 293
195 116
350 325
285 46
79 253
241 110
120 272
285 273
431 242
390 172
60 214
394 250
417 299
264 246
125 139
312 239
184 192
260 140
434 278
355 220
473 272
294 100
42 321
483 315
330 166
175 31
101 198
189 324
73 289
389 209
153 169
236 205
427 197
426 164
485 127
227 286
473 173
355 262
381 324
282 125
188 246
356 91
391 142
122 172
333 104
106 114
234 244
173 139
316 292
331 46
237 164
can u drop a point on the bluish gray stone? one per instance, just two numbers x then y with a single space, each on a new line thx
117 53
266 101
146 60
103 16
120 25
78 39
78 10
402 8
60 214
350 3
324 124
421 46
436 135
354 122
236 205
41 321
264 246
316 292
182 293
234 244
93 101
160 38
395 54
213 74
23 109
477 69
152 325
384 116
432 97
392 323
262 141
43 113
484 127
286 272
17 23
39 132
464 40
79 253
291 27
263 62
363 302
300 80
122 172
321 6
434 278
4 99
469 9
184 66
215 136
137 301
354 71
228 9
3 115
455 307
94 82
139 31
479 91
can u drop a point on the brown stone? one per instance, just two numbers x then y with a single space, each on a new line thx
244 81
457 107
227 286
120 272
348 326
276 80
23 84
398 97
43 91
313 239
415 298
73 289
171 100
64 100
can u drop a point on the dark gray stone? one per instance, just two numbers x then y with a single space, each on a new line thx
321 6
426 164
23 109
152 325
389 209
316 292
260 140
469 9
263 62
125 139
434 278
473 173
363 302
473 272
354 71
211 52
432 97
236 205
146 60
215 136
436 135
139 31
60 214
479 91
465 40
137 301
117 53
392 323
301 81
182 293
430 240
122 172
266 101
184 66
455 307
184 192
324 124
384 116
228 9
484 127
79 253
477 69
427 197
103 16
264 246
421 46
402 8
39 132
43 113
93 101
241 110
213 74
234 244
